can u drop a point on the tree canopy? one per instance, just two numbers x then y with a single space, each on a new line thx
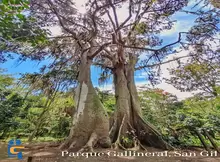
61 101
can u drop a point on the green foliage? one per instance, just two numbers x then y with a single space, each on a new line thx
178 120
203 76
141 28
39 105
5 80
10 102
156 105
19 30
127 142
108 100
11 17
20 114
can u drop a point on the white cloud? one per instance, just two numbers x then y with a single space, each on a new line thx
55 31
107 87
171 31
180 26
142 75
169 88
165 74
198 4
80 5
121 12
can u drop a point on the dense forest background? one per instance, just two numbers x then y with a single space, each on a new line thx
32 116
41 107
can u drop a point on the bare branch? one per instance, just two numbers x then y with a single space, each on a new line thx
158 64
62 23
157 50
138 19
111 20
115 13
128 18
99 50
108 54
102 65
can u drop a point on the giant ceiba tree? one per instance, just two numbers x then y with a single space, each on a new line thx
101 36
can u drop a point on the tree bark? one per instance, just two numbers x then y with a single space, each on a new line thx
128 108
90 122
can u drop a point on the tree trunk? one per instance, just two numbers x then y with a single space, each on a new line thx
90 122
202 140
128 126
211 140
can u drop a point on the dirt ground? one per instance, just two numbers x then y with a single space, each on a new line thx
53 154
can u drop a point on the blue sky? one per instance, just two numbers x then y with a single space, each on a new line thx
184 22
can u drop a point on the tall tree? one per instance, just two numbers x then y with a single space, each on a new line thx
99 35
77 41
129 36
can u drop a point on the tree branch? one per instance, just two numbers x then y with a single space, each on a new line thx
127 19
53 8
99 50
165 62
115 13
102 65
156 50
111 20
